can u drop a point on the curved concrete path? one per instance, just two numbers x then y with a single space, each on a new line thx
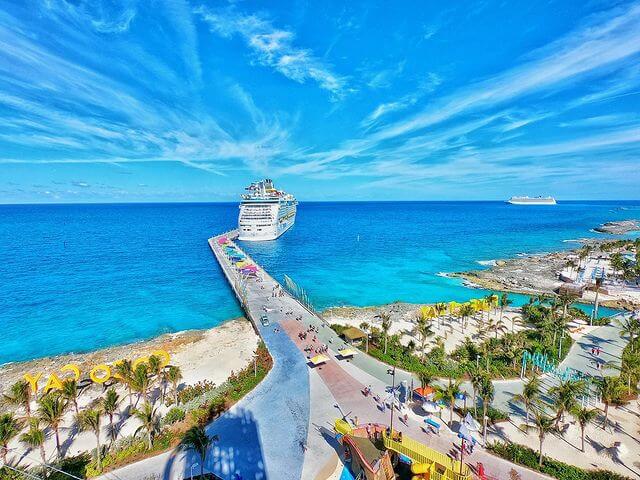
284 428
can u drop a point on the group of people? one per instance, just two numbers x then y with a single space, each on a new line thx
596 351
277 291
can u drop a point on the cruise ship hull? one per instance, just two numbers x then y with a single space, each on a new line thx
517 202
270 234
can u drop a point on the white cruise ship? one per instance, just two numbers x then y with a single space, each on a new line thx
532 201
265 213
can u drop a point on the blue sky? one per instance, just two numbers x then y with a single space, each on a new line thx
184 100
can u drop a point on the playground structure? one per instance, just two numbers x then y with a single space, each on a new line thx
373 450
553 369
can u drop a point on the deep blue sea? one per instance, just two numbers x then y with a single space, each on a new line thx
79 277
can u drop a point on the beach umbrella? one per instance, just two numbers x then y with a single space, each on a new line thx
430 407
319 360
347 352
471 423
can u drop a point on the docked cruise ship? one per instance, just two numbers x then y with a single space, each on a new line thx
265 213
532 201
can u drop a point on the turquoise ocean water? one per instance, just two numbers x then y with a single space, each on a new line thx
79 277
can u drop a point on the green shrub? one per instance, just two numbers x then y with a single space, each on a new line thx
174 415
190 392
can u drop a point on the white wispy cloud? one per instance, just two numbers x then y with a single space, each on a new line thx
613 119
80 113
427 85
274 47
604 41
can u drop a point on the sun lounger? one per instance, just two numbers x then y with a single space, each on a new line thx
433 423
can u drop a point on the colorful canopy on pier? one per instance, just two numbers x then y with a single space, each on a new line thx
222 240
319 360
347 352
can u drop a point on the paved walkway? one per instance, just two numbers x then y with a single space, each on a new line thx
292 411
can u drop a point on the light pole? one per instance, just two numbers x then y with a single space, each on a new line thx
392 372
192 467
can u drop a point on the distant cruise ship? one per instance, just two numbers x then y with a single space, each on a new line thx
532 201
265 213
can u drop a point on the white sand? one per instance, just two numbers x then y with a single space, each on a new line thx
600 450
202 355
403 322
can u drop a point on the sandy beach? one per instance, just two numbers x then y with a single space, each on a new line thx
402 316
231 344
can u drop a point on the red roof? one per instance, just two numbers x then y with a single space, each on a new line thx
424 392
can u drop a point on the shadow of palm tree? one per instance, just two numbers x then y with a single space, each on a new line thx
72 434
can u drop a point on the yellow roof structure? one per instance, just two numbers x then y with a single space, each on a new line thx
353 333
347 352
319 359
241 263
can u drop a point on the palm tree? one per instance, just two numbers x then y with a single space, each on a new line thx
110 405
486 392
366 328
89 421
386 326
466 310
9 429
565 301
51 408
449 393
610 390
441 309
140 381
20 396
505 301
476 376
496 326
544 424
629 369
35 438
196 439
564 396
149 420
174 375
630 327
584 416
530 395
124 371
492 301
571 264
424 331
155 368
70 392
425 378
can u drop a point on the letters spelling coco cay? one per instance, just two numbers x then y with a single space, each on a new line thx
98 374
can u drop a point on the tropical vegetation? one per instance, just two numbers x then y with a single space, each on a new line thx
178 429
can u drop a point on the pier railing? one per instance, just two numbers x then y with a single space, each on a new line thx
299 294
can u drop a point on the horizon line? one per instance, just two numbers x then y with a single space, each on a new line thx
201 202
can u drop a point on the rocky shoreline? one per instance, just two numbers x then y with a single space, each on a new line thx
535 274
619 228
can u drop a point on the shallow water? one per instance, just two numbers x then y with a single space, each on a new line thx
80 277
